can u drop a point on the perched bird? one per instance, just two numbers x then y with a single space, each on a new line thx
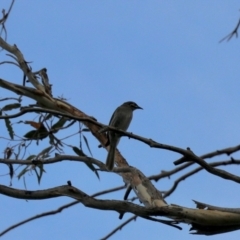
120 119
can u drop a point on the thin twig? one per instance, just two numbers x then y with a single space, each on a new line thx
190 173
119 227
230 35
167 174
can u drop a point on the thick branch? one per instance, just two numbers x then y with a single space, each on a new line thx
194 216
58 210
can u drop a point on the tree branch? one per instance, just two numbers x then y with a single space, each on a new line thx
230 35
228 151
56 211
198 169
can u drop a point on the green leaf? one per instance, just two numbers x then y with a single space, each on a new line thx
86 142
30 157
9 128
48 116
41 170
22 172
70 124
31 134
11 106
51 139
80 153
56 127
44 152
35 134
11 172
39 175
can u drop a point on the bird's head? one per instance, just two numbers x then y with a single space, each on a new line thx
132 105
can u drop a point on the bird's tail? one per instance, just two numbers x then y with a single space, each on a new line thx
110 157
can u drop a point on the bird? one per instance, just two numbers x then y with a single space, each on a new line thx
120 119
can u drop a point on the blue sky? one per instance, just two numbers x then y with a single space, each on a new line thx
165 56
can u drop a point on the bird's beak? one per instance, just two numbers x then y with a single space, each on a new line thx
139 107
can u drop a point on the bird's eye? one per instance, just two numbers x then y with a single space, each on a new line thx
132 104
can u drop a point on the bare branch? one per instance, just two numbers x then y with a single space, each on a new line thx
201 205
198 217
4 19
58 158
45 214
187 175
188 154
119 227
228 151
58 210
25 110
230 35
